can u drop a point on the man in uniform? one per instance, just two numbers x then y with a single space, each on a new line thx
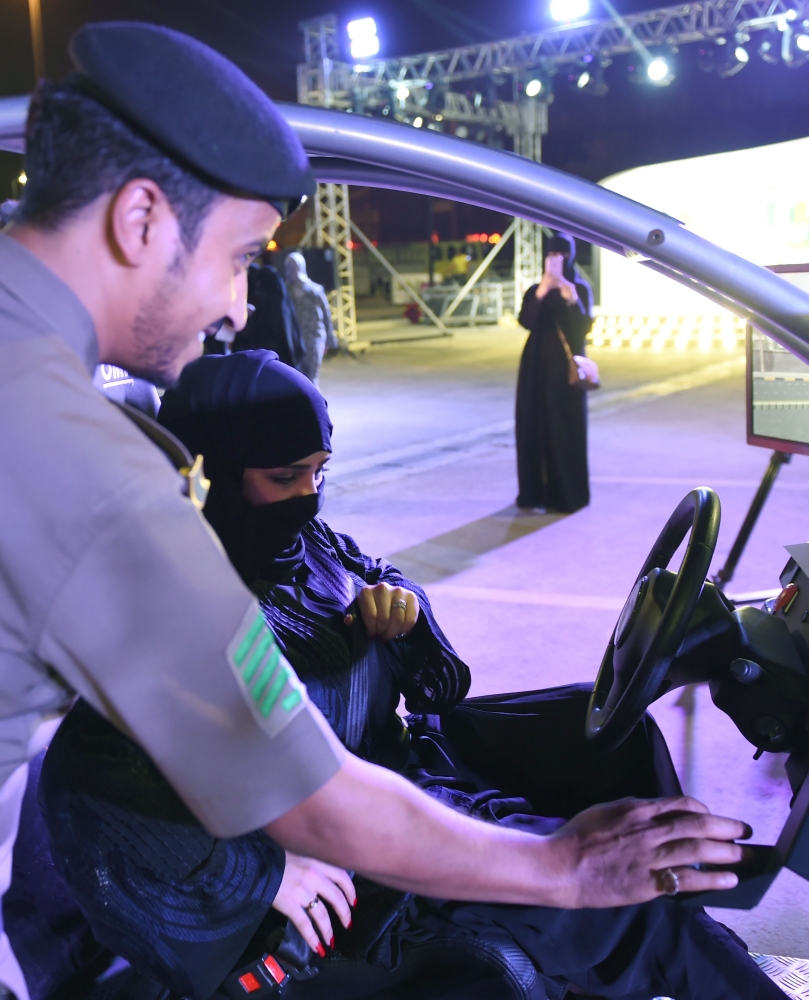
155 174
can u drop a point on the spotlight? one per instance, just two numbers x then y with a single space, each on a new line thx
569 10
737 58
363 39
659 71
589 78
418 122
402 93
768 52
23 179
534 87
802 42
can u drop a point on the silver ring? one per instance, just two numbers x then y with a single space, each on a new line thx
315 902
670 881
399 604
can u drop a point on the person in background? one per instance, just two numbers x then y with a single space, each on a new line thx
7 209
314 315
273 323
551 418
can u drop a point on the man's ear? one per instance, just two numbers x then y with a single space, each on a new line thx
140 221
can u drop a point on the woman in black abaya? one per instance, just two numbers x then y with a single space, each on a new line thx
551 416
185 908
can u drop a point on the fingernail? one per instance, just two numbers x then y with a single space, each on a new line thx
331 943
355 901
321 950
350 924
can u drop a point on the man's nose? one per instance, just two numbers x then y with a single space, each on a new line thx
237 314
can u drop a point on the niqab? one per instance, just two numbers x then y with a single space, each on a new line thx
250 411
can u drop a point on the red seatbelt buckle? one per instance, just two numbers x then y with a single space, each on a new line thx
260 979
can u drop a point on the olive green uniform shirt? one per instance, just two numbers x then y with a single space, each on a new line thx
112 586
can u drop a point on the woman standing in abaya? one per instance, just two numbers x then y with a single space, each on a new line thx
551 414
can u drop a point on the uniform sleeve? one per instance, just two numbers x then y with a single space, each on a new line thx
155 630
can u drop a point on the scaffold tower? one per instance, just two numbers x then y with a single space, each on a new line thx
332 210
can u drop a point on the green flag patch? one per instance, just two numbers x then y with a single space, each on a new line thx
270 685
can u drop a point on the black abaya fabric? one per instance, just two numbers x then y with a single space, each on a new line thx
141 866
551 416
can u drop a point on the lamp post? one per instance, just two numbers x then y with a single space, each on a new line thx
37 41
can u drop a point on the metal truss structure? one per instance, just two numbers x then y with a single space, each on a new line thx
332 210
332 228
699 21
418 89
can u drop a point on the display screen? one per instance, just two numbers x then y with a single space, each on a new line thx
777 389
778 394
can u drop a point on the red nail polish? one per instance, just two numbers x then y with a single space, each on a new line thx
331 943
321 950
350 924
355 901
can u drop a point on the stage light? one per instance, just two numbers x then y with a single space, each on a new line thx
802 42
363 38
569 10
657 70
737 58
23 179
418 122
533 87
402 92
768 52
583 79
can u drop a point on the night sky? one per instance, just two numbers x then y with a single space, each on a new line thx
590 136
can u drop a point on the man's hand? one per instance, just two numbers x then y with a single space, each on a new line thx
374 822
305 889
614 854
387 611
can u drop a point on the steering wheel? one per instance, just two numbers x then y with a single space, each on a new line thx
653 622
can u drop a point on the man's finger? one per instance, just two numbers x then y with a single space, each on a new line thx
697 825
691 880
698 851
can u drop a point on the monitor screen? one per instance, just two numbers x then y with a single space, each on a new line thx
777 390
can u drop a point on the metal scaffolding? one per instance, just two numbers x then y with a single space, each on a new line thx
685 23
332 210
417 90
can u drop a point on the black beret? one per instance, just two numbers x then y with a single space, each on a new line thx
196 105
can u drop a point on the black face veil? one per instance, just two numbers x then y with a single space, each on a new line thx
249 411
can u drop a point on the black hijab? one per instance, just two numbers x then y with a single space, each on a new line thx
563 243
241 411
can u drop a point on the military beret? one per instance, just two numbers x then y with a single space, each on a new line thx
197 106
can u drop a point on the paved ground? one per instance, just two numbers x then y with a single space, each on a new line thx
424 474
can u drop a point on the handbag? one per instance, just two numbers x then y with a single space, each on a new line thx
582 373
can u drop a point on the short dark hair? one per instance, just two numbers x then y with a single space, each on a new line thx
77 150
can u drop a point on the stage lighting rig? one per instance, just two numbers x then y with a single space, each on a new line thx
363 40
533 88
569 10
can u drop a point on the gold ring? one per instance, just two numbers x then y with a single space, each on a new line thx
315 902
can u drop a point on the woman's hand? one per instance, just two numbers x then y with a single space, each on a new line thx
387 611
568 291
306 880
